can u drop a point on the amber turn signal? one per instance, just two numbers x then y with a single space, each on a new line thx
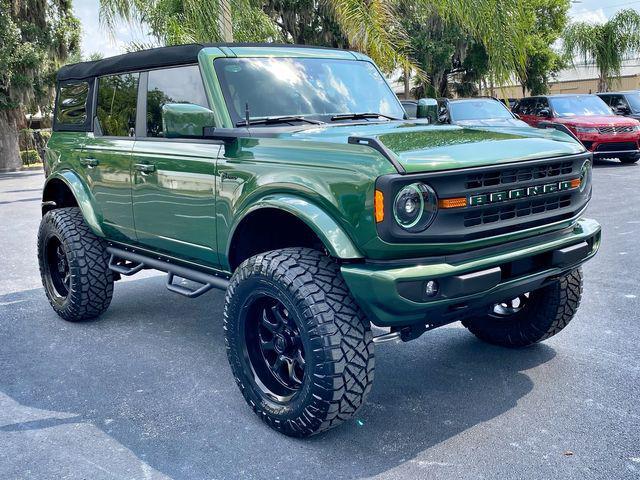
378 206
452 202
575 183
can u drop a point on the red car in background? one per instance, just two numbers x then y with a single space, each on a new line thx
590 119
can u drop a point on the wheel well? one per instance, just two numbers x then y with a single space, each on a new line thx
270 229
59 192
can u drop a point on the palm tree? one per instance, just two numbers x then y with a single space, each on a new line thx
370 26
605 45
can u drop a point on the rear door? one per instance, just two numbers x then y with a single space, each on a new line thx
106 156
173 178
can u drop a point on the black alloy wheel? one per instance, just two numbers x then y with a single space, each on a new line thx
57 268
274 347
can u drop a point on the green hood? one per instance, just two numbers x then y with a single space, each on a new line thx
419 147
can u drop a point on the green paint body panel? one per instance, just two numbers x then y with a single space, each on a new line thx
200 190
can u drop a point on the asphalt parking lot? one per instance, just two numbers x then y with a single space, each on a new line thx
146 392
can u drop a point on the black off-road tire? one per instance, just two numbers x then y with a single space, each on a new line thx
546 312
336 335
90 282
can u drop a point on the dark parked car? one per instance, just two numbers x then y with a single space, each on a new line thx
480 111
623 103
590 119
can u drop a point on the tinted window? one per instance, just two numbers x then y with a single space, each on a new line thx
582 105
525 107
478 110
174 85
72 103
634 101
117 98
541 104
411 108
304 86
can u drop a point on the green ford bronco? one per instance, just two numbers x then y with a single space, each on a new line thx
291 178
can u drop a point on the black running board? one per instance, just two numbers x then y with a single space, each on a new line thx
134 262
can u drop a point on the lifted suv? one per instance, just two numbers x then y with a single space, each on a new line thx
290 177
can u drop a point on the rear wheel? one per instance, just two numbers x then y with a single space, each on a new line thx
532 316
74 265
299 347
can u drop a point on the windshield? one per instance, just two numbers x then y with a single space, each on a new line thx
274 87
583 105
477 110
633 99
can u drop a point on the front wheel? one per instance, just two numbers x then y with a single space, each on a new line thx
532 316
74 266
299 347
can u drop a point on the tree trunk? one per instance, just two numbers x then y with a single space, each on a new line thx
9 150
407 84
602 83
225 24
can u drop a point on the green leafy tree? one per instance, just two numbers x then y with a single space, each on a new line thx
605 45
36 37
173 22
371 26
547 20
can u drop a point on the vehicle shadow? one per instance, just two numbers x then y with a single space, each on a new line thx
153 375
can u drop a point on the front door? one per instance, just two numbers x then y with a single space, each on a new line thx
106 156
174 179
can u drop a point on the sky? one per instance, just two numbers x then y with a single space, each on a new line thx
96 38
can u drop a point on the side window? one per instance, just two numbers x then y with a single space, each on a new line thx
525 106
541 104
608 99
117 99
71 108
618 101
172 85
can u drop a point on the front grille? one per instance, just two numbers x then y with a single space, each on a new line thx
491 209
624 129
522 209
616 146
516 175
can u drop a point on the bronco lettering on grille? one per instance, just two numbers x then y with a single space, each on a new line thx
501 196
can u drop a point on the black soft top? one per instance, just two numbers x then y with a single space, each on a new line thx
152 58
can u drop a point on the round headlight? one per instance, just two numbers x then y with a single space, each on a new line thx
415 207
585 175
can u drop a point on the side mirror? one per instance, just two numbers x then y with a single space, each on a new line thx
428 108
185 120
545 112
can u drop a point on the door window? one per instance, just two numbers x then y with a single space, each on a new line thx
117 99
172 85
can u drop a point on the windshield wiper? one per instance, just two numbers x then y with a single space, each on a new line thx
276 120
359 116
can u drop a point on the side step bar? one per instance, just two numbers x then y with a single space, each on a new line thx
136 262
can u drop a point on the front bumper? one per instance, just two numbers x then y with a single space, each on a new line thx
392 294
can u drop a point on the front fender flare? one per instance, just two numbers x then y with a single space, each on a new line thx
332 235
83 196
